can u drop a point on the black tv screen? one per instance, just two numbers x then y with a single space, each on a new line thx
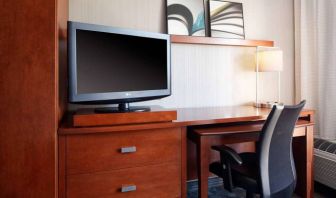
114 65
109 62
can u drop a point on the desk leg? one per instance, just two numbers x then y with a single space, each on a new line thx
203 152
310 160
184 162
303 157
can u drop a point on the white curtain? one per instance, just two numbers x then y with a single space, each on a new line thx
315 61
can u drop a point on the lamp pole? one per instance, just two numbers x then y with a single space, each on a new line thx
257 78
279 85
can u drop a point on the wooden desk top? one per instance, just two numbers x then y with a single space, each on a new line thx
190 117
211 115
242 128
218 115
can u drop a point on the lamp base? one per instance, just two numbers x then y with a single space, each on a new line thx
268 105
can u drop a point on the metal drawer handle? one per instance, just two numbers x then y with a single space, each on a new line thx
131 149
128 188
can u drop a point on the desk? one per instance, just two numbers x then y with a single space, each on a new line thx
243 124
90 160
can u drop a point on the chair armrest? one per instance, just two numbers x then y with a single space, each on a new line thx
228 153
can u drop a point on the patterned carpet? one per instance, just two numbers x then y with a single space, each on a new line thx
219 192
216 190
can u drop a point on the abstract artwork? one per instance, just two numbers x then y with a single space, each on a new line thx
226 19
186 17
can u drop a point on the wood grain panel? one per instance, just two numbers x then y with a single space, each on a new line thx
303 154
62 56
190 117
61 166
90 153
184 162
154 181
29 98
248 127
89 118
220 41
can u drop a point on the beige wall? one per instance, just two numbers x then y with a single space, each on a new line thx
206 75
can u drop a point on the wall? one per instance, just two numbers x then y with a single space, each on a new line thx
207 75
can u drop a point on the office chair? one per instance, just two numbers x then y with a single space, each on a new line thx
270 171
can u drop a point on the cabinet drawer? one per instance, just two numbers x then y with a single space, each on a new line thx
104 152
149 181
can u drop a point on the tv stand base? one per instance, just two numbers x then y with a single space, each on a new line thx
122 108
90 117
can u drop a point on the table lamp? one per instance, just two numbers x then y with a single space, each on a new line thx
268 60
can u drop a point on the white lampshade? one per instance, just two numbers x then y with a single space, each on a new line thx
270 61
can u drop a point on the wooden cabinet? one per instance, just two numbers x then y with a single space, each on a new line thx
150 160
32 82
142 163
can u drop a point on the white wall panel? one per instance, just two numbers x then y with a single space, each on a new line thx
204 75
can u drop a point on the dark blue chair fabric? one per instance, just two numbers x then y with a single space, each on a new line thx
270 171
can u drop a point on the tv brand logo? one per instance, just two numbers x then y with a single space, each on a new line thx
128 94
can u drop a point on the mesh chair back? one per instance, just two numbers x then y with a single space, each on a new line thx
277 170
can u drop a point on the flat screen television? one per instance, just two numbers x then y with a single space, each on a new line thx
109 65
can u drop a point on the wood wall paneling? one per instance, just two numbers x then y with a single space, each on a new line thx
220 41
29 98
62 23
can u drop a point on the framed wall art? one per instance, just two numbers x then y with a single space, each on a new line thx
226 19
186 17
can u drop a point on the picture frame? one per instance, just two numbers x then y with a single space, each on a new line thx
186 17
226 19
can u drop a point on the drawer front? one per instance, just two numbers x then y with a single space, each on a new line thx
104 152
162 181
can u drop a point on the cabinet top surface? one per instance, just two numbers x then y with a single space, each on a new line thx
188 117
